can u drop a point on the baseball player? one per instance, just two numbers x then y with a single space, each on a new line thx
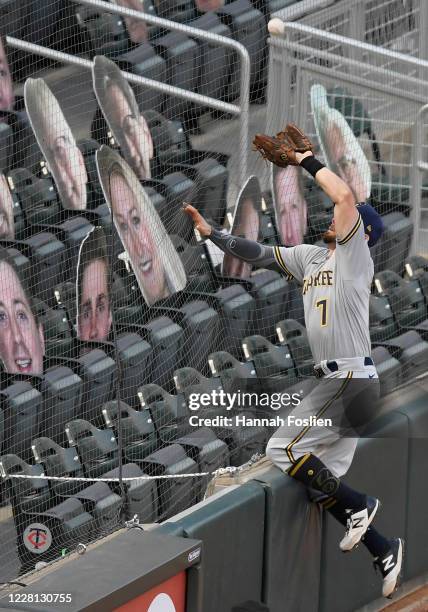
335 282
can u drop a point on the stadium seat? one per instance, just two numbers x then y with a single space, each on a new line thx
136 429
22 264
21 403
193 257
388 368
59 526
164 336
135 356
93 363
105 33
180 11
70 233
48 256
207 451
213 60
37 196
174 494
19 146
211 179
104 505
381 319
405 297
392 249
417 269
97 448
62 400
169 412
249 28
411 351
234 304
144 61
267 230
59 461
292 334
189 381
234 374
141 495
176 188
274 364
271 292
182 55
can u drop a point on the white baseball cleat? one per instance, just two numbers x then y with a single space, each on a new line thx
390 567
358 523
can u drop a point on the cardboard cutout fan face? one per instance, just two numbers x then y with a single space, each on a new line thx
93 288
22 343
155 262
137 28
342 151
7 97
120 108
7 223
246 224
57 143
289 203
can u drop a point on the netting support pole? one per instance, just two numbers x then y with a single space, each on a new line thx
419 167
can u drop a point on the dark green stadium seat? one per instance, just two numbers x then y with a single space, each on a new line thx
393 247
411 351
97 448
381 319
388 368
139 436
274 364
135 355
416 268
405 297
293 334
174 494
21 404
208 451
234 374
62 400
169 412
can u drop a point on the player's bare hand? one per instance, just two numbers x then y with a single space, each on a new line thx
203 227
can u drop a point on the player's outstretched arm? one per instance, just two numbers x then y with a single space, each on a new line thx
345 211
249 251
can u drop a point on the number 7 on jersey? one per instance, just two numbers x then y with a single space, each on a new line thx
322 306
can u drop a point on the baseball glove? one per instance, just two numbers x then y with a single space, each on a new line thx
281 150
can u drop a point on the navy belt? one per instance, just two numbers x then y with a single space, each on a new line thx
333 367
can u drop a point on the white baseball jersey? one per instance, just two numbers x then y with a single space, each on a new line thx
336 291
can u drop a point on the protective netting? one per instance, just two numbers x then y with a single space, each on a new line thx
120 326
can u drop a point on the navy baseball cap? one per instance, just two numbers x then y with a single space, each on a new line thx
373 224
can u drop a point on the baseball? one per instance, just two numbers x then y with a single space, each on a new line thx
276 26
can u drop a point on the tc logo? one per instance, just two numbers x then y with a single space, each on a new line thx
231 244
37 538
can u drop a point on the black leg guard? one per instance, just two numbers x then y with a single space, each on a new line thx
312 472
